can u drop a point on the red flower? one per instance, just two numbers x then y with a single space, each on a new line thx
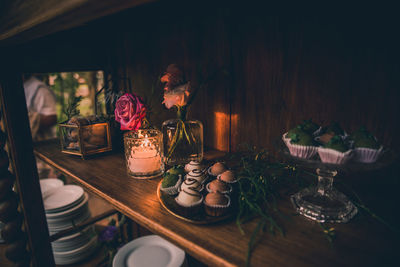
129 112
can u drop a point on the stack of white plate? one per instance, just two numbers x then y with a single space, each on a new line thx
149 251
65 207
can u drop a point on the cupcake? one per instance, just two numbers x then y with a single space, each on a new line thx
366 147
334 128
300 145
335 151
189 200
191 184
218 186
171 182
307 126
216 204
216 169
227 177
193 165
197 175
310 127
176 170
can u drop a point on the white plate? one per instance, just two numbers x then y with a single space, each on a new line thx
149 251
69 211
62 196
76 255
50 183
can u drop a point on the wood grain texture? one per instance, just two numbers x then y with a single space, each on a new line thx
175 35
282 69
222 244
327 69
24 168
26 20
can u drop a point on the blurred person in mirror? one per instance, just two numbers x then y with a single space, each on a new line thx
41 103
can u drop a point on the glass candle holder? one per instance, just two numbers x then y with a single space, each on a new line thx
144 153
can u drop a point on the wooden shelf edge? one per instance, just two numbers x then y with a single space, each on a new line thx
190 247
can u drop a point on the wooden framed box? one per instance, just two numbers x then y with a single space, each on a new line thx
85 140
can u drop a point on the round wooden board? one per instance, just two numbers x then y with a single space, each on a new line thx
168 202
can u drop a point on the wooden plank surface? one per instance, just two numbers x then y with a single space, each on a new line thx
26 20
361 242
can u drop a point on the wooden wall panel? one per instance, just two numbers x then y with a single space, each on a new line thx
299 68
282 69
200 46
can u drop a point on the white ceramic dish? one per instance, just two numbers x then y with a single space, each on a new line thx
77 254
149 251
70 210
61 197
50 183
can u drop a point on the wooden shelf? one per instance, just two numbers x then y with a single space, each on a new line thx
222 244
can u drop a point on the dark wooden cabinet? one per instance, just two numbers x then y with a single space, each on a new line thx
265 73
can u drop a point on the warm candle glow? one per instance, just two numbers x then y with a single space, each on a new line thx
144 157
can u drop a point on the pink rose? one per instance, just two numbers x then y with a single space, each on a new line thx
177 97
129 112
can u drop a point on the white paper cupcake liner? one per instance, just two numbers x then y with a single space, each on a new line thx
367 155
173 190
223 192
332 156
227 182
299 151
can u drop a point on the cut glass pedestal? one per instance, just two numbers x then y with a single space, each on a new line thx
324 203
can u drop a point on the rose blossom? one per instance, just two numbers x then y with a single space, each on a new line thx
172 77
177 97
129 112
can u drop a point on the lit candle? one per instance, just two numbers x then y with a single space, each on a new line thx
145 159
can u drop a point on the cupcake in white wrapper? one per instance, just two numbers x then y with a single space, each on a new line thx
300 151
217 204
332 156
366 147
367 155
189 201
173 190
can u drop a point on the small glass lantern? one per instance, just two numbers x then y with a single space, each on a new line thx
84 140
144 153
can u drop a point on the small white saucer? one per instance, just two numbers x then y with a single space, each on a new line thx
149 251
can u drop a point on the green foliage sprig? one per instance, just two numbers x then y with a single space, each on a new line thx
259 182
71 109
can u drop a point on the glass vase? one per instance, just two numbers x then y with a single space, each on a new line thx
144 153
183 141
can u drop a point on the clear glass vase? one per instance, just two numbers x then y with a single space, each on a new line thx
183 141
144 153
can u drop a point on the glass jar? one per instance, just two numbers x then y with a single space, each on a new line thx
144 153
183 141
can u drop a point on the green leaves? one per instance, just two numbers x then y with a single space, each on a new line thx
71 109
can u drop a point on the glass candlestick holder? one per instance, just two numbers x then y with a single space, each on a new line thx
324 203
144 153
